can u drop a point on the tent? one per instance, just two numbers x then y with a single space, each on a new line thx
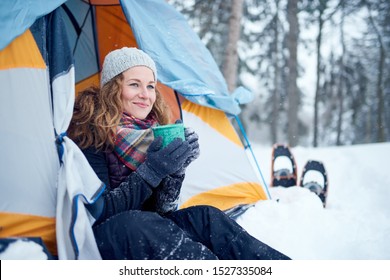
49 51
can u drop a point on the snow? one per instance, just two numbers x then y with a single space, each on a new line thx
23 249
355 225
314 176
283 163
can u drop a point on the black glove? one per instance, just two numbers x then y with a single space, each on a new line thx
192 139
167 194
160 163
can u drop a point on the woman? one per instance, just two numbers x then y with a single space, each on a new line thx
136 217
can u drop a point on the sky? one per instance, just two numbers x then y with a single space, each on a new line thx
355 225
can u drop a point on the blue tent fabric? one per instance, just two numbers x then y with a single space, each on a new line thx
183 61
18 15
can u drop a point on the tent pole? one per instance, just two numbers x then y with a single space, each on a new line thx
178 104
248 145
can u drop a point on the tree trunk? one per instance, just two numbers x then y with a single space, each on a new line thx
340 101
368 135
292 88
341 84
379 95
231 56
317 94
276 94
380 135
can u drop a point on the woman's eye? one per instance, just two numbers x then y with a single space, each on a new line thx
133 85
150 86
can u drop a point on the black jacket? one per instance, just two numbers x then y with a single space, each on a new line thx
133 193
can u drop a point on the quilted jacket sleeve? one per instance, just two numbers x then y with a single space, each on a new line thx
131 194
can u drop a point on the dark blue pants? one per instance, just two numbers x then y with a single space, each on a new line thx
199 232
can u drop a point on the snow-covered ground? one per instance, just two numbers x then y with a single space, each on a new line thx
355 225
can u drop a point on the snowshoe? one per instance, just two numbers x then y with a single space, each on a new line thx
284 168
315 178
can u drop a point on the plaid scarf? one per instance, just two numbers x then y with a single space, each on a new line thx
133 139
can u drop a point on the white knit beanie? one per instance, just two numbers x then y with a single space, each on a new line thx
122 59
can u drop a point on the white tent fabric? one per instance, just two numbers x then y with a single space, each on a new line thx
198 179
77 182
28 163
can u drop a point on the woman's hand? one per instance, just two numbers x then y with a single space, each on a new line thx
192 138
161 162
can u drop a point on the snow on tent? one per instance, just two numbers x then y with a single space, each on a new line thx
47 48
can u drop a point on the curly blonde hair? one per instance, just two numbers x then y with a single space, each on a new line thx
97 113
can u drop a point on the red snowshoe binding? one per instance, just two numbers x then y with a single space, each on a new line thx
315 178
283 168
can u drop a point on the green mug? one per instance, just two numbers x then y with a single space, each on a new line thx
169 132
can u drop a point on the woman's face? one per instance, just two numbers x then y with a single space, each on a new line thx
138 91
